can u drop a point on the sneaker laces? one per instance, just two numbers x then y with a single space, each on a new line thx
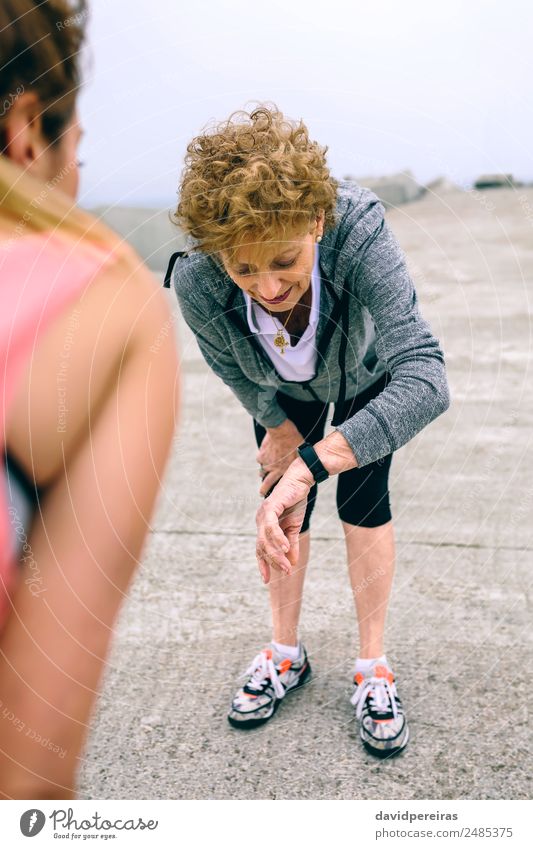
261 668
382 693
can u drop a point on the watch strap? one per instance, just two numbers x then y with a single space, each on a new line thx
312 461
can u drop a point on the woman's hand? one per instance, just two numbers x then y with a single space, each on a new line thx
279 520
277 452
280 516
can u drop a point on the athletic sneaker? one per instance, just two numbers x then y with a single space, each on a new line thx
383 727
271 677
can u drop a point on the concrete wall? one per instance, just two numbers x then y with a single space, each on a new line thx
155 238
149 231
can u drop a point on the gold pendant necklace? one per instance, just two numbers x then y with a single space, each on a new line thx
279 339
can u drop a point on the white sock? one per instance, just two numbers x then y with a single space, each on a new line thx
363 664
292 652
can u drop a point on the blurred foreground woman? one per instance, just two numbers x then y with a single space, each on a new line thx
87 411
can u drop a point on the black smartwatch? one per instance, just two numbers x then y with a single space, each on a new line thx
311 460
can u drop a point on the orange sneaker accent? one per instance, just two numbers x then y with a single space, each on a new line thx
383 672
268 653
285 665
359 678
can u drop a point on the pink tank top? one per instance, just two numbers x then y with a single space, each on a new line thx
41 275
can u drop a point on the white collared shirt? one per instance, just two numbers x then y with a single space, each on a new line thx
299 361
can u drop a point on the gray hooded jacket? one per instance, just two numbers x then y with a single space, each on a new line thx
367 299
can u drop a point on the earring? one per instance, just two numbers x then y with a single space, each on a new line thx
319 239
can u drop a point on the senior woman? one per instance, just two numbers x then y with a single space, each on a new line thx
299 296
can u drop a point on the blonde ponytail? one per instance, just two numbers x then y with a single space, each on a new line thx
29 206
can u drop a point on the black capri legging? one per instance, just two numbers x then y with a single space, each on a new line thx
362 494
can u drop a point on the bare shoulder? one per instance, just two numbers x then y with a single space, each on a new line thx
121 317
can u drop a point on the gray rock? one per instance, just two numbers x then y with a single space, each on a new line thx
495 181
394 189
442 186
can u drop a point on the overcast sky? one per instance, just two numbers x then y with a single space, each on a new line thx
438 87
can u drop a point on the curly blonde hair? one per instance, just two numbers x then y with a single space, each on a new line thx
253 179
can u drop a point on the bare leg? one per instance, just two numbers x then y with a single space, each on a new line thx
286 597
371 557
87 540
